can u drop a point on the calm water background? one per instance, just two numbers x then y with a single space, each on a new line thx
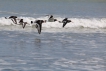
55 49
70 8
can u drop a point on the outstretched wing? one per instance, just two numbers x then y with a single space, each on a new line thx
64 23
38 26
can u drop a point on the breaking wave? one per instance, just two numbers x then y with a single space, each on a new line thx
76 22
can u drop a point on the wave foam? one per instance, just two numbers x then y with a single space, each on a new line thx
76 22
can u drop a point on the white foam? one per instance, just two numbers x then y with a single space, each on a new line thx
4 21
76 22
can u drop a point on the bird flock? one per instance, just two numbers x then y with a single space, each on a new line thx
38 22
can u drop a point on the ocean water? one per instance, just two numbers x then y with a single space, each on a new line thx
79 46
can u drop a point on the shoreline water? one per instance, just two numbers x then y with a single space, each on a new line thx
79 46
29 51
52 30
